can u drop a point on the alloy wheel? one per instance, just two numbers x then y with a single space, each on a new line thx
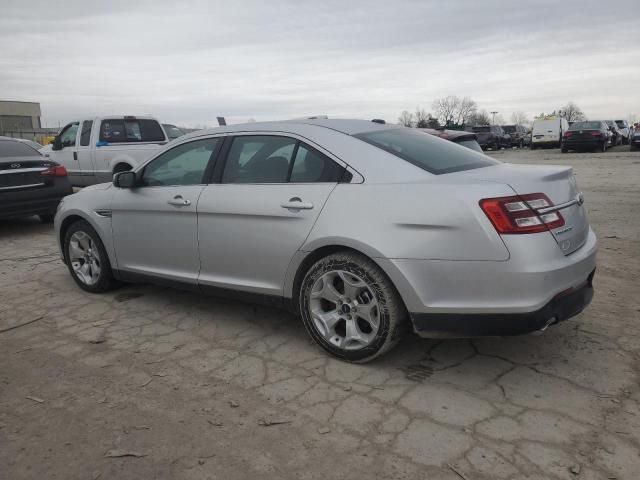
84 258
344 310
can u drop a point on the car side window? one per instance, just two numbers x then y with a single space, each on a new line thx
69 134
85 133
259 159
311 166
182 165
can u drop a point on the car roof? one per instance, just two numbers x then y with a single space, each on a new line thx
348 127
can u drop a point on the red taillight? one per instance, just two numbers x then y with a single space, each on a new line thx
56 171
519 214
567 134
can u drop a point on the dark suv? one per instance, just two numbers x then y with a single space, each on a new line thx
491 136
519 135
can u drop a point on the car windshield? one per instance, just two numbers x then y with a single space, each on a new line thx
481 129
12 148
585 126
610 123
509 128
172 131
430 153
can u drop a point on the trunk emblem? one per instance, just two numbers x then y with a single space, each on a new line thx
15 165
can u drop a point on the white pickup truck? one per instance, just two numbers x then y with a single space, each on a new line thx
92 150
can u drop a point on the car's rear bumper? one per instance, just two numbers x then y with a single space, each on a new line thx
562 307
33 202
545 143
582 144
534 275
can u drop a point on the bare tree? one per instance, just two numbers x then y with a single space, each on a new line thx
519 118
406 119
466 109
422 118
446 109
572 112
479 118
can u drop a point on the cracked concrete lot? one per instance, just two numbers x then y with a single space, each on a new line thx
147 382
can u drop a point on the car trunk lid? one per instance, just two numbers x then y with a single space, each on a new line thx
23 173
559 185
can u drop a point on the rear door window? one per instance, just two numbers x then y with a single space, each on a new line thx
311 166
127 130
85 133
425 151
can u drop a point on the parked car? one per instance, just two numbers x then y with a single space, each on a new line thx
363 229
634 140
92 150
466 139
625 130
31 143
519 135
616 134
548 132
30 184
491 136
590 135
172 131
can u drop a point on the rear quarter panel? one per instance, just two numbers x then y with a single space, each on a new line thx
413 221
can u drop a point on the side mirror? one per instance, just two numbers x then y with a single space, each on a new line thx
56 144
125 179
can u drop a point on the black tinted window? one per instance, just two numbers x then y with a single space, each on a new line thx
259 159
131 130
481 129
426 151
12 148
509 128
182 165
585 126
312 166
85 135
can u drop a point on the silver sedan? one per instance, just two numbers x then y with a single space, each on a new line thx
362 229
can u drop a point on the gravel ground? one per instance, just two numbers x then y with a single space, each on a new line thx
147 382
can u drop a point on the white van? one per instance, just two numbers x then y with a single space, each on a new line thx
548 132
93 149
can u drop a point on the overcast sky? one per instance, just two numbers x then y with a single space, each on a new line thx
188 62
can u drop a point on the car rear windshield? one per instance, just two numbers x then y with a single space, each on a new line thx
430 153
509 128
481 129
13 148
585 126
120 130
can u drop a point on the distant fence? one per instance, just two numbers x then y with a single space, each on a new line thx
41 135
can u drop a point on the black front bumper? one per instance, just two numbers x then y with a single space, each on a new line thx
451 325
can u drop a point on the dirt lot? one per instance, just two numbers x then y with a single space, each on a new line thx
197 387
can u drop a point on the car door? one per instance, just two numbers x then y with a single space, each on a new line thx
84 154
269 193
67 154
155 224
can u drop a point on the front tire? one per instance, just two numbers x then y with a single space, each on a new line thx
87 258
350 308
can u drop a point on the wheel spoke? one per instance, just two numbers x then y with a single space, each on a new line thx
75 250
352 285
369 313
328 291
326 321
353 335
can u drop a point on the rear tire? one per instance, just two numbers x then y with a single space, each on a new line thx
564 150
355 329
604 147
87 258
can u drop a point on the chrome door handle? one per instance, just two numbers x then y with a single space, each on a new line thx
178 201
296 203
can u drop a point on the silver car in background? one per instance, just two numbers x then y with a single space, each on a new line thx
362 229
